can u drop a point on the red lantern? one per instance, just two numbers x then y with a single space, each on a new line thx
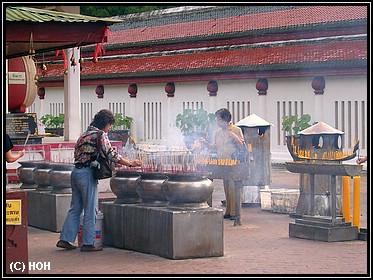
100 91
41 93
170 89
132 90
262 86
318 84
212 88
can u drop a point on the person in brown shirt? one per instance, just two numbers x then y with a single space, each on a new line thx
227 141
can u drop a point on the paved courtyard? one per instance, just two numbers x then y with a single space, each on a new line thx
260 247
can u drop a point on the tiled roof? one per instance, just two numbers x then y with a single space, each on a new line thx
296 53
254 59
40 15
293 18
30 29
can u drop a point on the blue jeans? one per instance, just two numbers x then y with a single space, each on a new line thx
84 197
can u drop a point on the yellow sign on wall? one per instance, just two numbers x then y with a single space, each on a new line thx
13 212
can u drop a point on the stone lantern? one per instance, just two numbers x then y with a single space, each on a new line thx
257 136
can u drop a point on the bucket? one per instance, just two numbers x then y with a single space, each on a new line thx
98 230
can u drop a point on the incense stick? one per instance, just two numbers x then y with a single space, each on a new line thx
28 135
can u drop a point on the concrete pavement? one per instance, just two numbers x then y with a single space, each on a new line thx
261 247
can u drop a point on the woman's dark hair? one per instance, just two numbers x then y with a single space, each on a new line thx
103 118
224 114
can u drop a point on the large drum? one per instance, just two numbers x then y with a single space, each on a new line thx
21 84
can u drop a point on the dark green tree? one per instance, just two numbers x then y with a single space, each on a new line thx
117 10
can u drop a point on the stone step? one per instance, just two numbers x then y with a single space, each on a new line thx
363 234
322 223
323 219
328 234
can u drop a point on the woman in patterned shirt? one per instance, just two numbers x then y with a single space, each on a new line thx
84 185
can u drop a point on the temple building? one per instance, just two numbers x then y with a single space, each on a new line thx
273 61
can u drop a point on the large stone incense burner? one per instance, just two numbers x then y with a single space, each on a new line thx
187 191
332 169
149 187
158 189
48 194
323 228
60 177
321 146
169 217
41 176
123 185
318 156
26 175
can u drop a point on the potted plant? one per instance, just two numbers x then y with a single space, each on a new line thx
292 124
53 124
120 130
194 124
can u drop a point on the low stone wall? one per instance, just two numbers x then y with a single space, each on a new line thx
279 200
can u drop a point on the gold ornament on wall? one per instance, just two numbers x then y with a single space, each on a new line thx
73 60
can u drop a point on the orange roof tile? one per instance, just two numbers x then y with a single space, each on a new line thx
348 51
249 22
253 57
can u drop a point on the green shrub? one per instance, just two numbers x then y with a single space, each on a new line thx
194 121
50 121
292 124
121 121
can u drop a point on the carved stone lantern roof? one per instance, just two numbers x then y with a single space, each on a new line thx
253 121
320 128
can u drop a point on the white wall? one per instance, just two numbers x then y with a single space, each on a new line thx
154 113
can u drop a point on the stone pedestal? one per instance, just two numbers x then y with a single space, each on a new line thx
173 234
317 227
320 195
47 210
323 228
